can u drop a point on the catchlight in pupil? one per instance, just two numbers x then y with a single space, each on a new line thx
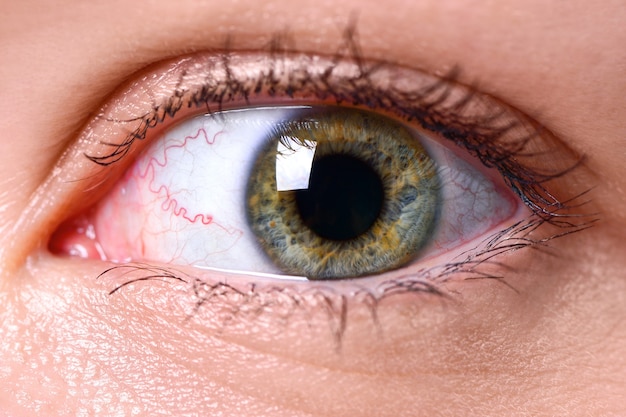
344 197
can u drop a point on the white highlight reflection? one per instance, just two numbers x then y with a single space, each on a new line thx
252 273
293 165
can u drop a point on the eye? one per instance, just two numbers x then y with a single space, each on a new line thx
319 192
274 178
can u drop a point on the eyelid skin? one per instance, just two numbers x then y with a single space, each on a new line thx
209 82
554 342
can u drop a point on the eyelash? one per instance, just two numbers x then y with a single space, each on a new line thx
499 138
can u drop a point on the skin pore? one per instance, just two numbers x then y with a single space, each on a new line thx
553 345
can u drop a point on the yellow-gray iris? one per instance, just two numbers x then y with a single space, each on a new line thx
365 196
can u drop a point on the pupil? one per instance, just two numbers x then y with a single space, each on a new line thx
344 198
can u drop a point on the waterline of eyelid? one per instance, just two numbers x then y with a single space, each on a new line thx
252 273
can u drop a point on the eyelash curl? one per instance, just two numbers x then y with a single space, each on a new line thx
500 137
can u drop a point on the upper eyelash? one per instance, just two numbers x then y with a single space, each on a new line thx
498 140
495 139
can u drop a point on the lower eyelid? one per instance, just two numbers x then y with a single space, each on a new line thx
106 139
217 288
217 301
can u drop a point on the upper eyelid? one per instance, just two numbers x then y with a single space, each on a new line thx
175 86
432 100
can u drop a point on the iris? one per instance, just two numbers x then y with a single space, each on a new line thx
340 193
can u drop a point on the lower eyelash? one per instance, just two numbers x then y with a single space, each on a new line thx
501 138
231 303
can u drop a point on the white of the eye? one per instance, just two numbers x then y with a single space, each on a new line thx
183 201
472 203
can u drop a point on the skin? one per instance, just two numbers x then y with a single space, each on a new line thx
557 346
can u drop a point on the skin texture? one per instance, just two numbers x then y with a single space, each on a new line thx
556 346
